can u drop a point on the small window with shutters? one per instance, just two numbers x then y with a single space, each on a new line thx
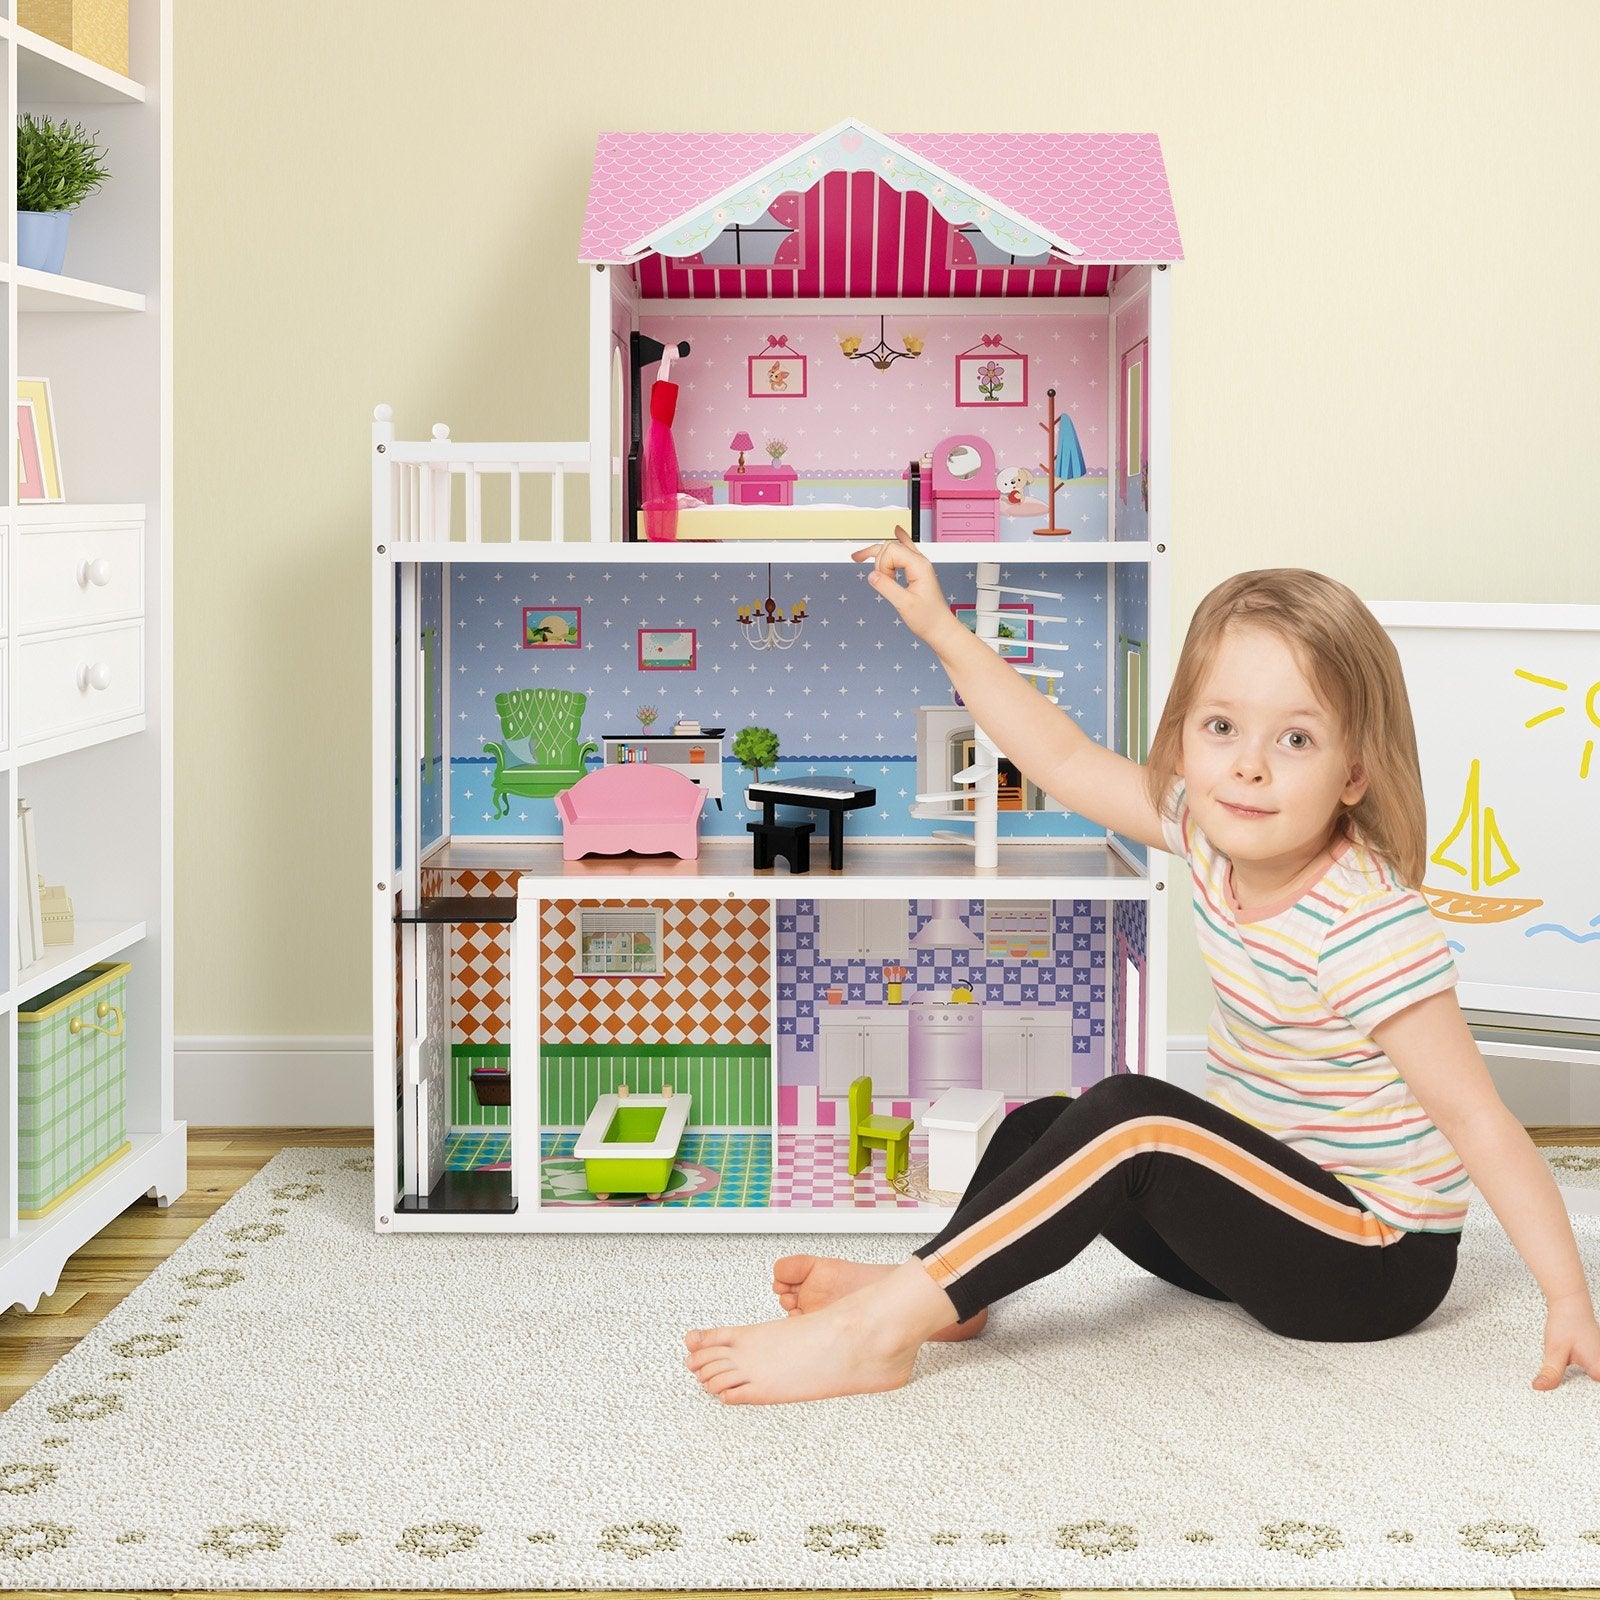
617 943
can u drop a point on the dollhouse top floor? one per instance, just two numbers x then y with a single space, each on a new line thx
768 263
851 212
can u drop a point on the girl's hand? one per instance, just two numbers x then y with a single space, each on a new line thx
1571 1339
919 601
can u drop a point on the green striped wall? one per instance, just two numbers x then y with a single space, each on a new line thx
731 1084
465 1112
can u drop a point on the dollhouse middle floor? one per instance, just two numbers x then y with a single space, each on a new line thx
528 987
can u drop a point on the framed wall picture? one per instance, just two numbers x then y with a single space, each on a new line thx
36 391
776 372
991 373
666 650
1016 629
552 628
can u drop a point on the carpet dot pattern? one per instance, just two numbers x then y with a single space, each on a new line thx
279 1437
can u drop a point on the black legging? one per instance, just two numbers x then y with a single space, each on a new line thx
1195 1195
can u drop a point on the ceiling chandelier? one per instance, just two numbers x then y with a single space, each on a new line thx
766 627
883 354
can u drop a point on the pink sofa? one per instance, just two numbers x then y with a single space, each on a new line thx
631 806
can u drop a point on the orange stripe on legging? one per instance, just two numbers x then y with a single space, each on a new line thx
1059 1187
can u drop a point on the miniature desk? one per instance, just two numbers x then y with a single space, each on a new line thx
833 795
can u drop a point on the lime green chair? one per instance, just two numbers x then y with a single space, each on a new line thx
892 1135
542 728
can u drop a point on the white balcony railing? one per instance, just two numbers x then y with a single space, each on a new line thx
423 504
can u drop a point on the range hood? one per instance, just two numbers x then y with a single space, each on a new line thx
947 931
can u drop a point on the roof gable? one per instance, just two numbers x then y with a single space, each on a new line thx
1090 197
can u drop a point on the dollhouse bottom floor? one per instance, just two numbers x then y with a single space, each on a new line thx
718 1170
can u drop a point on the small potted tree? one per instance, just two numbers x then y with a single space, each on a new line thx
756 748
58 165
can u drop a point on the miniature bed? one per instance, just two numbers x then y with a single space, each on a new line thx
721 521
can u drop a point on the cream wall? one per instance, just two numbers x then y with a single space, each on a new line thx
1387 331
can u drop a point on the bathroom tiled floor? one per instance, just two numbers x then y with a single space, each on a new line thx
810 1169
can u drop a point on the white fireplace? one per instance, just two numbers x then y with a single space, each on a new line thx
945 736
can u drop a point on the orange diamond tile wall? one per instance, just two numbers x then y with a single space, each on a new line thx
715 990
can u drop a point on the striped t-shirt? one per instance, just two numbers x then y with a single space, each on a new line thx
1299 988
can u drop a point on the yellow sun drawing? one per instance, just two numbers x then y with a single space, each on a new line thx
1591 709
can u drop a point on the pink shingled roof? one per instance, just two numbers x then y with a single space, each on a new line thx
1104 192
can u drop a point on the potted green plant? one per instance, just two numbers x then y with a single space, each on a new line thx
756 748
58 165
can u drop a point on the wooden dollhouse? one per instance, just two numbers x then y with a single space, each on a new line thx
887 332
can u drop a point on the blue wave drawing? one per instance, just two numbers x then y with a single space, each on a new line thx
1455 944
1566 933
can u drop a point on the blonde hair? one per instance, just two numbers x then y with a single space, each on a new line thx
1352 664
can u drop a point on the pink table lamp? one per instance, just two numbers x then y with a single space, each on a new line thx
741 442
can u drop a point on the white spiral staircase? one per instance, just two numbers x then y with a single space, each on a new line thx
979 782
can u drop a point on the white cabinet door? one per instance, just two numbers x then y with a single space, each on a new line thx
1049 1056
1005 1044
848 930
888 1058
841 928
884 928
841 1056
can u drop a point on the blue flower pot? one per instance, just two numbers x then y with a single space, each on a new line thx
42 239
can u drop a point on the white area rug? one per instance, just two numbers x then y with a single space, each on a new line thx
291 1402
1575 1166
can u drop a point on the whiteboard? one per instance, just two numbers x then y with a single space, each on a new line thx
1507 706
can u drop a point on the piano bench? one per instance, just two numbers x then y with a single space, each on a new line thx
791 840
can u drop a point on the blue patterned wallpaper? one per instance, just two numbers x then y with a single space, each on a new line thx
844 699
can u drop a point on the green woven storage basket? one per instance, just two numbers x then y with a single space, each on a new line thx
72 1118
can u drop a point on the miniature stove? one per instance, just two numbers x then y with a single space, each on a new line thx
945 1048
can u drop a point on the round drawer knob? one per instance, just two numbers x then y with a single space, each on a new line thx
97 572
96 677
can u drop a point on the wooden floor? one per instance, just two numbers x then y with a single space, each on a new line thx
221 1160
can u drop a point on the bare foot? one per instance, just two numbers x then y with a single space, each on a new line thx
864 1343
808 1283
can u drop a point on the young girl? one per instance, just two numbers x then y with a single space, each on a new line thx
1323 1181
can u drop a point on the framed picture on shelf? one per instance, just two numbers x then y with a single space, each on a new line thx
1015 629
35 393
30 472
552 628
666 650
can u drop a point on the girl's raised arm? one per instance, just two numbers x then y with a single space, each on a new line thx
1043 741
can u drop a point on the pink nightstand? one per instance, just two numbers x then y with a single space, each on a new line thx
760 486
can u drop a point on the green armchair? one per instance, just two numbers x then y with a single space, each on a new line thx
546 723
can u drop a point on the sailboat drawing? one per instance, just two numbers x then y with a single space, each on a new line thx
1489 862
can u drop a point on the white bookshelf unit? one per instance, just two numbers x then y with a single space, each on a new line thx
85 657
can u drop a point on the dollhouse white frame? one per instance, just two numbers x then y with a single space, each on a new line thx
421 517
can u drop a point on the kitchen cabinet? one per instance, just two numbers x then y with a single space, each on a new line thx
853 930
852 1040
1027 1052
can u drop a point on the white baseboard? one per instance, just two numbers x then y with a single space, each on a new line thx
273 1083
327 1083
